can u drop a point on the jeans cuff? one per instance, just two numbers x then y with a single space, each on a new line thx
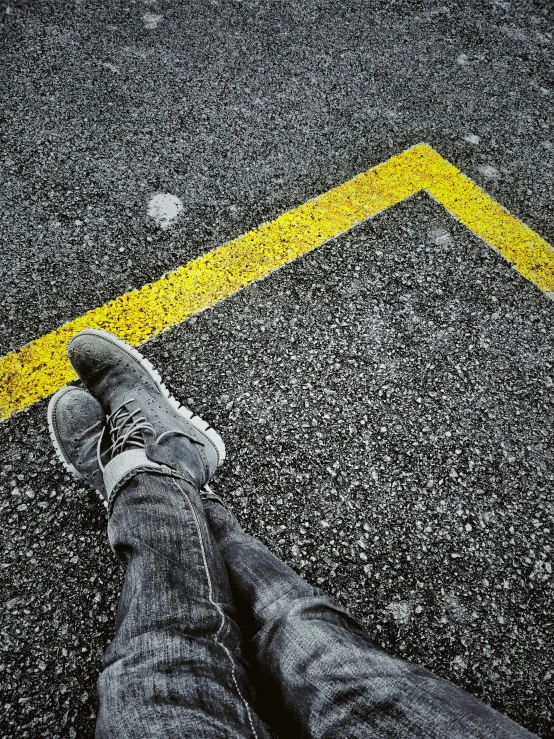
128 464
122 464
148 466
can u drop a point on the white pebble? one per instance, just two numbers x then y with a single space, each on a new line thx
151 20
488 171
164 208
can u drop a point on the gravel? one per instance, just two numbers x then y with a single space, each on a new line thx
386 401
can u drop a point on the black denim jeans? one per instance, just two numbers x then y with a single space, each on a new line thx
207 614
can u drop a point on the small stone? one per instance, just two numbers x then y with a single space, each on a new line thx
164 208
488 171
152 20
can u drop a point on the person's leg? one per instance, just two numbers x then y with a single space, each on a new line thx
175 666
319 673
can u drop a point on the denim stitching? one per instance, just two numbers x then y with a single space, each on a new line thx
162 470
218 609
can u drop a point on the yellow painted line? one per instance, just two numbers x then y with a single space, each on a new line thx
532 256
40 368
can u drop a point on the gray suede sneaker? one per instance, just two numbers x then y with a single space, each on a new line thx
130 389
97 449
77 423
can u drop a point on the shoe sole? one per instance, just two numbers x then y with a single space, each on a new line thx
204 428
57 448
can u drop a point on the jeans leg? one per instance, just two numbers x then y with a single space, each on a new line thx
318 669
174 668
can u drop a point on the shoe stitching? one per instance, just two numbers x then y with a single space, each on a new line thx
162 470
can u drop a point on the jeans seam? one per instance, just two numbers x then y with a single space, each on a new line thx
218 609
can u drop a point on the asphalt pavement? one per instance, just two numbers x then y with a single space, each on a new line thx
387 400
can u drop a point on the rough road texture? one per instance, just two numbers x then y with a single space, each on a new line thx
387 401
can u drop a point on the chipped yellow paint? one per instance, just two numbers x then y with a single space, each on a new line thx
41 367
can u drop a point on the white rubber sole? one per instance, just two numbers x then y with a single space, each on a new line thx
204 428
